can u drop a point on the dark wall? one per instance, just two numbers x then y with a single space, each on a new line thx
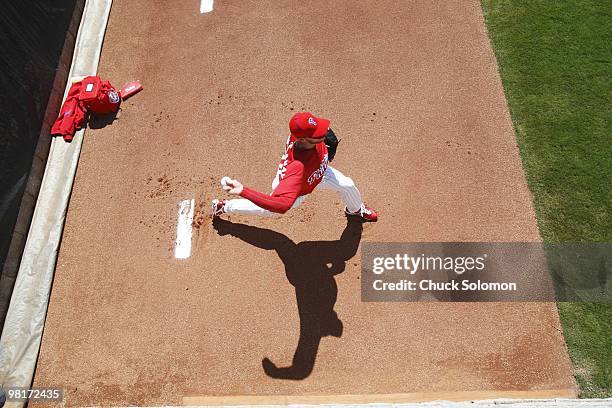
31 40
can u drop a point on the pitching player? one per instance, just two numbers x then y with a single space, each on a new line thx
303 167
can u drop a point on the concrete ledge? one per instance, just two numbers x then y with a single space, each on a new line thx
24 323
37 171
360 399
496 403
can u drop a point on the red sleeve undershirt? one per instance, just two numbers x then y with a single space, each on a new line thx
284 195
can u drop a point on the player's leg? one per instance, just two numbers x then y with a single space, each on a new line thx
244 206
333 179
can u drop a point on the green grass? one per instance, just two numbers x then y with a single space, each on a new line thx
554 59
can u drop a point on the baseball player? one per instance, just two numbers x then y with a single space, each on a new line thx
303 167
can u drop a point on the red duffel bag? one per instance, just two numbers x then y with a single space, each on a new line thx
99 96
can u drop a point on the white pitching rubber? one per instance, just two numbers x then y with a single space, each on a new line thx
182 246
206 6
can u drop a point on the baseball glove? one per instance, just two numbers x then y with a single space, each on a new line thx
331 141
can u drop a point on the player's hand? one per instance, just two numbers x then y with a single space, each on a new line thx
233 187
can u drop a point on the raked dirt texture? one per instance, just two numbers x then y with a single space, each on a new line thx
413 91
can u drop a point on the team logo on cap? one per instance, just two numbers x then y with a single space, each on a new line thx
311 121
113 96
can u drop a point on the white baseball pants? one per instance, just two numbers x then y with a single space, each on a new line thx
332 179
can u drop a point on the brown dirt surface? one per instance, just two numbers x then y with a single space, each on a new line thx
412 89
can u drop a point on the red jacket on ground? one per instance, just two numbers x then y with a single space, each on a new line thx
90 94
72 115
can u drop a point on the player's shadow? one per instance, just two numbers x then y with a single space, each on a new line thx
97 121
310 267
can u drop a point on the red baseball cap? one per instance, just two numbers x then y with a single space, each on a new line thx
305 124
